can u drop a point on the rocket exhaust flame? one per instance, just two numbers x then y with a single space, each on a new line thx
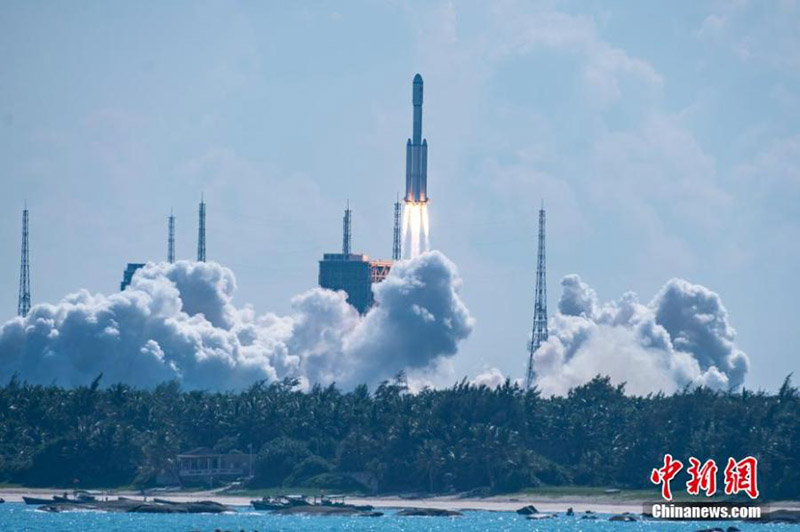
425 227
416 229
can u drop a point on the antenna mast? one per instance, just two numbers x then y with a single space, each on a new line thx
171 239
201 232
397 240
24 301
346 235
539 334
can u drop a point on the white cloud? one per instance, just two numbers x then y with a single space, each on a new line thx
682 337
778 164
712 25
492 378
757 32
659 161
603 64
179 322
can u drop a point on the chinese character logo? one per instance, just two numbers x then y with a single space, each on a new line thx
740 476
665 474
703 478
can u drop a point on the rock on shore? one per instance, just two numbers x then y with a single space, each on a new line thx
428 512
148 507
319 509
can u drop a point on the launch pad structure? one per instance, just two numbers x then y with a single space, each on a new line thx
354 273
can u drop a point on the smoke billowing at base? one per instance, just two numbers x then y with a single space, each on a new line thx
178 321
680 338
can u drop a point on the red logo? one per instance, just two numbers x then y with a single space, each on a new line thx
740 476
703 478
664 475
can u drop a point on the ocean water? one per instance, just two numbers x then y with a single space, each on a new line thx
17 517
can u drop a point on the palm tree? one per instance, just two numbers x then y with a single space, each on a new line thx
430 460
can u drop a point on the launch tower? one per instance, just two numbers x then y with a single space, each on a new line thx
24 301
397 246
171 238
354 273
539 334
201 232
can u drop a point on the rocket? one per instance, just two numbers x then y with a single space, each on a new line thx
417 152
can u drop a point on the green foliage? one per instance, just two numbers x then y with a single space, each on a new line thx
457 439
308 468
335 481
278 459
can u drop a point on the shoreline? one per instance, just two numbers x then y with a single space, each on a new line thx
499 503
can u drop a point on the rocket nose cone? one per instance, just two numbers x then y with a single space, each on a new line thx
417 90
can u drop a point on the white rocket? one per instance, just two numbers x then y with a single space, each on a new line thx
417 153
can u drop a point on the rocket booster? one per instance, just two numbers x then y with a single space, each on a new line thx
417 152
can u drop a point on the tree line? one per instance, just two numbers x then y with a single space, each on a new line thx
461 438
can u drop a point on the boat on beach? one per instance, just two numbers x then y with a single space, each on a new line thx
270 503
37 500
80 497
285 502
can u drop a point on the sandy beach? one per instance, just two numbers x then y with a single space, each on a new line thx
579 503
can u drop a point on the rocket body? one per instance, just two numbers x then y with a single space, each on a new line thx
417 152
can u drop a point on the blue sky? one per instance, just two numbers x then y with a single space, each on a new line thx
663 138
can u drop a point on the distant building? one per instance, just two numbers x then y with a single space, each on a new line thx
127 275
203 465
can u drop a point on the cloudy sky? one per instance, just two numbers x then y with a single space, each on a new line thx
664 139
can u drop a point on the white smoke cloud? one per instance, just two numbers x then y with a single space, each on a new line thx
682 337
178 321
491 378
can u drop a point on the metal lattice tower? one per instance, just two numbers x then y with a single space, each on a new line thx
201 232
539 334
24 301
346 235
171 239
397 240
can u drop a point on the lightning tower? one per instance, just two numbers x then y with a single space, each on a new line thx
397 246
171 239
201 232
346 234
539 334
24 301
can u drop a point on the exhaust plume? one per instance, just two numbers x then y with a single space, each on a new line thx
179 321
682 337
416 229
